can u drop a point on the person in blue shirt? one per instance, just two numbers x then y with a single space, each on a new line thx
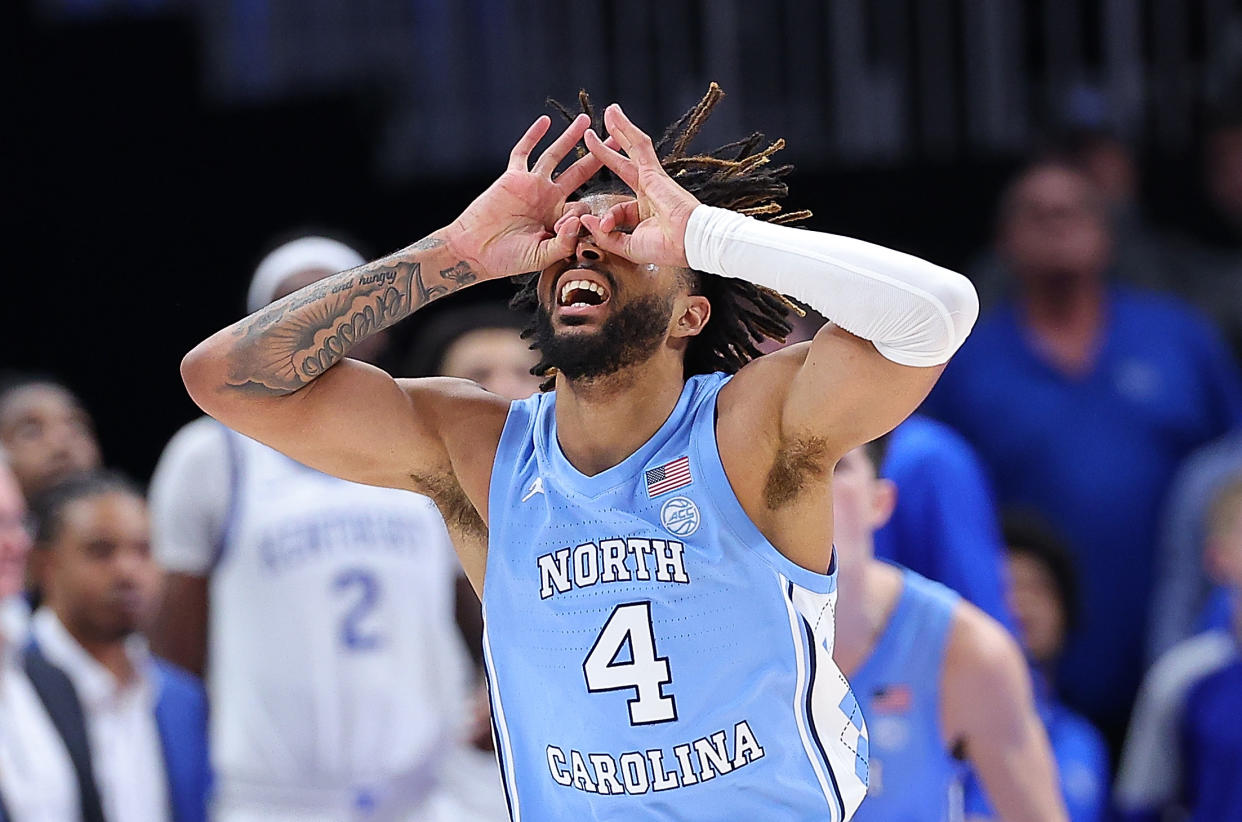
1043 593
1082 398
1183 753
943 686
944 526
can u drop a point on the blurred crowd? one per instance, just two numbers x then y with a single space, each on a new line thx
250 639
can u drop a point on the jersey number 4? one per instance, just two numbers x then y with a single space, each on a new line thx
624 657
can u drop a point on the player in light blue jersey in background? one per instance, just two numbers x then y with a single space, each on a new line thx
659 623
943 685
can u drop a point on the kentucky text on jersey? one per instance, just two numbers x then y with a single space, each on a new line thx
637 772
590 564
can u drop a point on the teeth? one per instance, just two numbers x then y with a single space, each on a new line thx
584 285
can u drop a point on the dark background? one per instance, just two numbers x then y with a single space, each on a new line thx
146 174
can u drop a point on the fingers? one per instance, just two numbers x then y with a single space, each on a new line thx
521 151
634 140
583 169
611 241
561 146
620 165
561 244
575 209
623 215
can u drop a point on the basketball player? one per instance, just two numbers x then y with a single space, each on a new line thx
339 684
942 684
659 626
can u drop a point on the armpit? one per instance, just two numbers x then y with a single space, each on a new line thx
458 512
799 463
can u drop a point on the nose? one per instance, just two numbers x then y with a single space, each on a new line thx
587 251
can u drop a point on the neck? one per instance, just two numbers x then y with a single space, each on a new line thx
111 654
1063 303
1066 317
603 420
866 597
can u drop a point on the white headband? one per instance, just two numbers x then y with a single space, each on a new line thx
295 256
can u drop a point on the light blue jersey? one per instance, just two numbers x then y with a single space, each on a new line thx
912 775
650 654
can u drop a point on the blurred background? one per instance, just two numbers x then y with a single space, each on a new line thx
1080 160
156 147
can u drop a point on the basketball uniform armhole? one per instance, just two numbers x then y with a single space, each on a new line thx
732 515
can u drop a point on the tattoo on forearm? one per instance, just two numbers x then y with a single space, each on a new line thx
294 340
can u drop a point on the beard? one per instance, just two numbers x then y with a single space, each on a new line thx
630 335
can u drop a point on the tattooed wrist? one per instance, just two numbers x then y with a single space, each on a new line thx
284 346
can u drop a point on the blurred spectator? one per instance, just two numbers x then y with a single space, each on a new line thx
1044 596
146 720
1183 754
46 430
1141 256
1185 600
349 701
1082 398
39 776
944 525
941 684
477 342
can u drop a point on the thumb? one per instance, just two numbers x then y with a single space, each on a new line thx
561 244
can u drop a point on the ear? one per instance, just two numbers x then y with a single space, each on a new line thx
883 502
696 310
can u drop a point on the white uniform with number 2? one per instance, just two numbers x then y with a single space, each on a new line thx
336 673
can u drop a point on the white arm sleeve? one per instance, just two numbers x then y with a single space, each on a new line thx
189 498
915 313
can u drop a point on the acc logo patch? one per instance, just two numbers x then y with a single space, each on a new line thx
680 516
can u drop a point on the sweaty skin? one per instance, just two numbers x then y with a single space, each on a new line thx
282 376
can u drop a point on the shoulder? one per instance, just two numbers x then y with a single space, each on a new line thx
464 416
1185 664
982 657
203 438
177 682
1067 726
1170 313
752 401
921 441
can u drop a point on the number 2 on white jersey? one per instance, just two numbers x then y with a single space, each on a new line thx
646 673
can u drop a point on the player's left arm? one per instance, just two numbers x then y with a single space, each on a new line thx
896 319
987 706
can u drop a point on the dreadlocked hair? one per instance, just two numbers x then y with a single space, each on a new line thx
739 176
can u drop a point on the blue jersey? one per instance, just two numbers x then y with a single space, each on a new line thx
945 525
650 654
913 775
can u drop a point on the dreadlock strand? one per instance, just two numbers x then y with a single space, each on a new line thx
739 175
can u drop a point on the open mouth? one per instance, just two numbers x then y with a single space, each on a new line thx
581 290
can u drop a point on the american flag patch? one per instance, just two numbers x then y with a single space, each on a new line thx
669 476
892 699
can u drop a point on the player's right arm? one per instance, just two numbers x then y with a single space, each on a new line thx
282 375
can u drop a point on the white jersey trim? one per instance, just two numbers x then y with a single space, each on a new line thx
833 799
500 729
